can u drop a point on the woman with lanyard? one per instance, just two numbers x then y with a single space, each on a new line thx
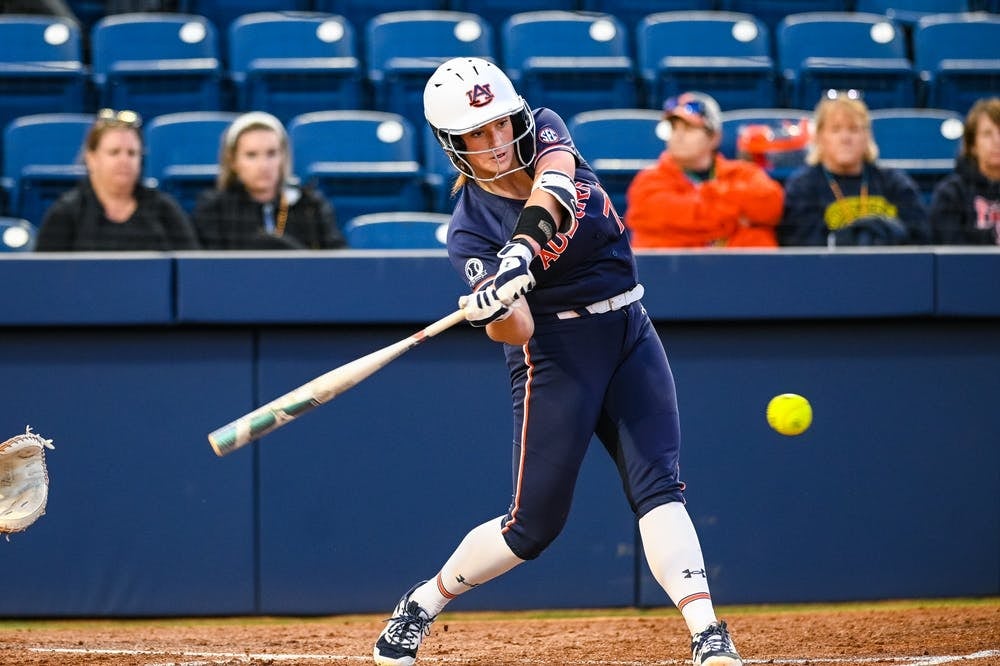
841 197
256 204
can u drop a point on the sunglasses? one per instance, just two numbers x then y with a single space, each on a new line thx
851 93
123 118
691 106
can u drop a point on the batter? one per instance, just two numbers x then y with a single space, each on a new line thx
552 277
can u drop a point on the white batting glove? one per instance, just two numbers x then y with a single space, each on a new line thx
513 279
483 307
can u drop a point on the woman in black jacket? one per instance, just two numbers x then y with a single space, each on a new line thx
256 203
965 209
110 209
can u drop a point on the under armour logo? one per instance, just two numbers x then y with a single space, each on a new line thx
691 573
480 95
461 580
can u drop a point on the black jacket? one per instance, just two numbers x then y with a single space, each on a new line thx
965 208
231 220
76 222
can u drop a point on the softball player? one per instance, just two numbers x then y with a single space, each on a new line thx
553 278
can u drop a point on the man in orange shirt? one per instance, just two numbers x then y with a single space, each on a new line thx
695 197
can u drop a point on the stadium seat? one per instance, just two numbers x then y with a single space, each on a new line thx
41 67
495 12
569 62
359 12
17 235
439 173
41 160
404 49
222 13
724 54
182 152
958 59
843 50
287 63
908 12
408 230
922 142
157 63
618 143
785 134
363 161
771 12
631 12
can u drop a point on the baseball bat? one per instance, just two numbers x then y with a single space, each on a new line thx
320 390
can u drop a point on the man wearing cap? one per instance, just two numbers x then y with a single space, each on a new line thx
695 197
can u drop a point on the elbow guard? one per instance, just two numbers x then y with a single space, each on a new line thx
560 186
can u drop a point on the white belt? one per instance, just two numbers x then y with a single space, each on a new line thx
607 305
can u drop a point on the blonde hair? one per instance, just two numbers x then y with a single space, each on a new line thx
851 105
985 107
254 120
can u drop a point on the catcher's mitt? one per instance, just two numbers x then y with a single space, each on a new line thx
24 481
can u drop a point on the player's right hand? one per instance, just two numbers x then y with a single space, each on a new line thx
483 306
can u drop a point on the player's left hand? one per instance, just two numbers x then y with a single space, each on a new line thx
513 278
483 307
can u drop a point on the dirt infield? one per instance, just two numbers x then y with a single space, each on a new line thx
913 633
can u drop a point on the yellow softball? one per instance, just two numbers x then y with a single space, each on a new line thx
789 413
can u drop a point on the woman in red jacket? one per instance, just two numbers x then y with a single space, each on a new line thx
695 197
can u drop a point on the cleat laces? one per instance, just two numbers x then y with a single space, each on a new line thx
407 629
714 641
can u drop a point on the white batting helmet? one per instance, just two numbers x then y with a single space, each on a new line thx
466 93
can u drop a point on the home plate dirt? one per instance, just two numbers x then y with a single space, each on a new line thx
906 633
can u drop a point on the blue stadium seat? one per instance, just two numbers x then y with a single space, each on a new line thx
909 12
495 12
771 12
618 143
569 62
42 159
363 161
843 50
439 173
922 142
222 13
778 125
17 235
182 152
407 230
958 59
157 63
724 54
360 12
41 67
631 12
404 49
287 63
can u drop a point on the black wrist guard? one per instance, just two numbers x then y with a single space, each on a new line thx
537 224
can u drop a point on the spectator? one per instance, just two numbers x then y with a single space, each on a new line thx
840 197
965 209
110 209
256 204
695 197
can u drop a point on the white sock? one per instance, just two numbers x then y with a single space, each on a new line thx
482 556
674 556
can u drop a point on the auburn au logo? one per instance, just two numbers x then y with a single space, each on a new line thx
480 95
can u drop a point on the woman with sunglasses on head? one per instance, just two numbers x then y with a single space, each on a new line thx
695 197
256 203
965 208
537 240
841 197
111 209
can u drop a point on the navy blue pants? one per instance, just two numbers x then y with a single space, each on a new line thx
603 374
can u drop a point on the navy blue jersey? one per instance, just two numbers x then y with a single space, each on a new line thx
588 262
